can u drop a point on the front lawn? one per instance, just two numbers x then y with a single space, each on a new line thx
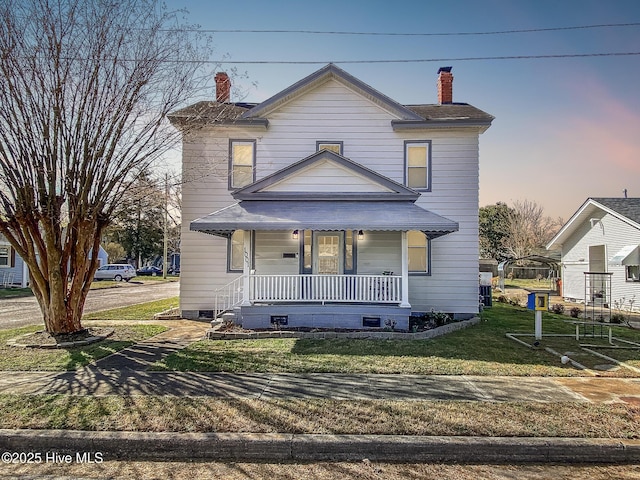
23 359
141 311
480 350
149 413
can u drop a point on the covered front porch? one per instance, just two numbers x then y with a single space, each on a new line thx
343 268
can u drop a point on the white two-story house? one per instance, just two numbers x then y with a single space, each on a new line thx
330 205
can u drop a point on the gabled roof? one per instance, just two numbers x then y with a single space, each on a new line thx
626 209
408 117
382 188
321 76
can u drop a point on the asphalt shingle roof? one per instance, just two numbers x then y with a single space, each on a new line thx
628 207
215 112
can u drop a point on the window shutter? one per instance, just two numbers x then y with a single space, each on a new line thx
12 257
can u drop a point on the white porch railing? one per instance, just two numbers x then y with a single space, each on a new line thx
325 288
228 296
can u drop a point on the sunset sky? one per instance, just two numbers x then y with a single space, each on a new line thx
565 129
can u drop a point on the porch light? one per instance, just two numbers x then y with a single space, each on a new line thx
360 235
294 235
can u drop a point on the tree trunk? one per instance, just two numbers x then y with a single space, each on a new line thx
61 262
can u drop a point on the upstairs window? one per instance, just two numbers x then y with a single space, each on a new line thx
418 251
335 147
242 159
417 160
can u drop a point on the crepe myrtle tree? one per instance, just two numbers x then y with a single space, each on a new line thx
84 92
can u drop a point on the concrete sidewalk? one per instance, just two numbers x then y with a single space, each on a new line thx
95 381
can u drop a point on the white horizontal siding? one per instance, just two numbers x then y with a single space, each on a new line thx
325 177
269 249
379 252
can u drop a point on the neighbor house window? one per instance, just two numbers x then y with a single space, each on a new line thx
5 256
236 252
633 273
242 157
335 147
418 251
417 155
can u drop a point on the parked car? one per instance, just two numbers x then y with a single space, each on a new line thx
115 271
149 270
174 270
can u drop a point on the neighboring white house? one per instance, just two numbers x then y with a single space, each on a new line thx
13 271
330 205
602 236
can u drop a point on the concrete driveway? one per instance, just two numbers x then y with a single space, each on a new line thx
19 312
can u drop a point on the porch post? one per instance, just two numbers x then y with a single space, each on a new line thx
404 298
246 269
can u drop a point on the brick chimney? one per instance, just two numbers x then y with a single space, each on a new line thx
445 85
223 87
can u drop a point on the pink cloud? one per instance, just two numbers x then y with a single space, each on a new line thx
606 132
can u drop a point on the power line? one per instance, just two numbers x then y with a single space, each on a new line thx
419 34
419 60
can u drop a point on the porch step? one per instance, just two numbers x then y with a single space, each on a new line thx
226 317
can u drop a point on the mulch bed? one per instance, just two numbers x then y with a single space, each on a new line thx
44 339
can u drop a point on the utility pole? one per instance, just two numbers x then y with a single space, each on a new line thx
166 226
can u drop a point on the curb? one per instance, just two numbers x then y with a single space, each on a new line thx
294 447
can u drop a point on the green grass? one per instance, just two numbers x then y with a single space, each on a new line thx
480 350
15 292
26 359
319 416
142 311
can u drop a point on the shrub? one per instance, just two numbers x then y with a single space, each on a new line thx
575 312
501 299
617 318
439 318
557 308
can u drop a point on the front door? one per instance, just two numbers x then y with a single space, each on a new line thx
327 258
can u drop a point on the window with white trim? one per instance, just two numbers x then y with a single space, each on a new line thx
418 252
417 155
632 273
242 158
335 147
236 252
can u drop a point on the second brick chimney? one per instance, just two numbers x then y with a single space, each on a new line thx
223 87
445 85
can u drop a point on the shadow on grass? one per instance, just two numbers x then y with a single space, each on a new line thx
81 356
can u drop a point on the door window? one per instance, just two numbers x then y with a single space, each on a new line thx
328 253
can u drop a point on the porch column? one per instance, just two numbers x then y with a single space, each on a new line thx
404 298
246 269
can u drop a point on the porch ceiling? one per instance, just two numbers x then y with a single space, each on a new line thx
324 215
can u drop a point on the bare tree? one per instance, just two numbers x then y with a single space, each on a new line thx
85 90
529 229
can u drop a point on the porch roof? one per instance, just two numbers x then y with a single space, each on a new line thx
323 215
